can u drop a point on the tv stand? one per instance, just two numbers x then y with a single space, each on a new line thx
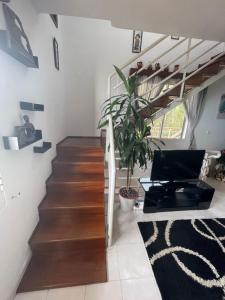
183 195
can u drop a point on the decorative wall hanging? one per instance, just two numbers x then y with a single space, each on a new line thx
137 41
26 134
56 53
14 40
55 20
221 112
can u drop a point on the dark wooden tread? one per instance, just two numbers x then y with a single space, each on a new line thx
75 179
64 269
93 142
76 200
71 226
94 170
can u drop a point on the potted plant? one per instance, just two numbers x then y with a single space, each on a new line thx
131 134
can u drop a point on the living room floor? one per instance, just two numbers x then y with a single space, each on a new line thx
129 271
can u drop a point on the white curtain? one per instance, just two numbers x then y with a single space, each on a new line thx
148 85
194 108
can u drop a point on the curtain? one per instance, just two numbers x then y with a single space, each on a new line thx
144 87
194 107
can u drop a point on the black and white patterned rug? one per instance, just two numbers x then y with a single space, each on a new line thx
187 257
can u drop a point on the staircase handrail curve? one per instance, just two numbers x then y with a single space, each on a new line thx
171 62
187 77
183 68
153 61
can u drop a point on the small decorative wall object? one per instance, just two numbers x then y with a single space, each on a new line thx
221 112
55 20
31 106
26 133
14 40
44 148
56 53
175 37
137 41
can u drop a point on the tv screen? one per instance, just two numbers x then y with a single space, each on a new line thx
171 165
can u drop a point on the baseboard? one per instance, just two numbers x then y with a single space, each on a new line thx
23 269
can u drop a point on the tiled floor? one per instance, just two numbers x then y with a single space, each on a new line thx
130 273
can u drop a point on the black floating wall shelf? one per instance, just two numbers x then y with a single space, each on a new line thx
28 60
12 142
44 148
31 106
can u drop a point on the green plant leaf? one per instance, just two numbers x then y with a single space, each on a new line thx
123 78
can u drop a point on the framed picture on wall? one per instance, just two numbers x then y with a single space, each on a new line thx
137 41
221 112
56 53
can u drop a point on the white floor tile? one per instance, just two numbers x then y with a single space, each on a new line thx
104 291
42 295
112 263
133 261
140 289
71 293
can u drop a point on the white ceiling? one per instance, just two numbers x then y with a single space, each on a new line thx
192 18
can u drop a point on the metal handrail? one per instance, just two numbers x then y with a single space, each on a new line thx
153 61
172 62
147 49
189 76
112 178
182 68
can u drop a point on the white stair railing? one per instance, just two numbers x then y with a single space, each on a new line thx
110 157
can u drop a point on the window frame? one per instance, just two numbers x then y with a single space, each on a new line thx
184 129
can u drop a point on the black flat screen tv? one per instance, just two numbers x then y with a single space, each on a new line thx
175 165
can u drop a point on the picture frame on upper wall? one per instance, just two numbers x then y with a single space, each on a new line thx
56 53
221 112
137 41
55 20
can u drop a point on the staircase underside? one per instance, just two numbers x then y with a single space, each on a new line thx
192 84
68 244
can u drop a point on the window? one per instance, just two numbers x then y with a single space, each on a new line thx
172 125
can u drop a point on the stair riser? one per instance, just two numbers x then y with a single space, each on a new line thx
72 169
75 187
62 247
57 268
59 213
71 152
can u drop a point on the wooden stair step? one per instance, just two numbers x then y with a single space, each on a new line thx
87 142
68 167
72 226
80 147
65 268
75 179
57 186
76 200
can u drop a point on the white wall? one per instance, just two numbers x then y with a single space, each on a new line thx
91 48
210 131
23 171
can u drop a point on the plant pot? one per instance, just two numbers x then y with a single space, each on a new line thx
127 204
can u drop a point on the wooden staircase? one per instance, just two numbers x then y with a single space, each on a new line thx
196 80
69 243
